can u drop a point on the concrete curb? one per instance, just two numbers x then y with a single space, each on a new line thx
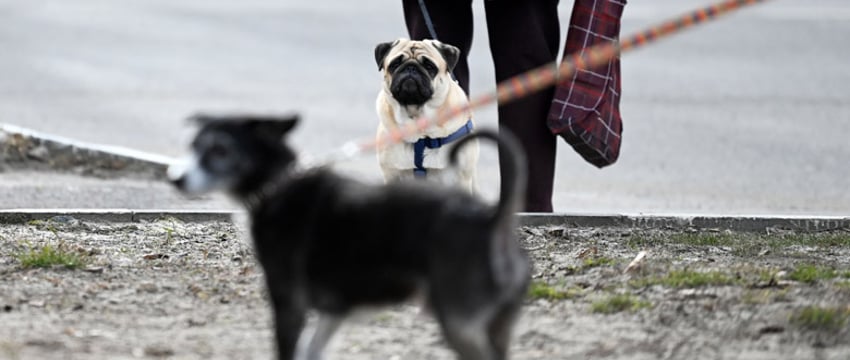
26 148
18 216
705 222
719 222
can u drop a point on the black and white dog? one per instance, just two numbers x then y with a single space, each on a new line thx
331 244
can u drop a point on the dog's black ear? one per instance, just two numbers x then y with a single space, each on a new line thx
381 52
272 127
200 119
450 53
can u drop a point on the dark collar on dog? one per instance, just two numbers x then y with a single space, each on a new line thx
420 145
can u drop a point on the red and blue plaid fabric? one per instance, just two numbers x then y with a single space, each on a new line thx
586 108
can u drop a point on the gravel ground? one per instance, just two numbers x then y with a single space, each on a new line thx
168 289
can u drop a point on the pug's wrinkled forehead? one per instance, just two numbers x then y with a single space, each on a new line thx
415 49
420 51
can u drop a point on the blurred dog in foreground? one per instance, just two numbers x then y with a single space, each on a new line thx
331 244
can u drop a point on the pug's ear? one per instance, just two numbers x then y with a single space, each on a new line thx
381 52
450 53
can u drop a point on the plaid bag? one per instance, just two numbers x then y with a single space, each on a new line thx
586 108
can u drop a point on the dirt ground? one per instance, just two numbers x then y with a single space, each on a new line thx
168 289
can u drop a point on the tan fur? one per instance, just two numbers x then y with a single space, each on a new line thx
396 160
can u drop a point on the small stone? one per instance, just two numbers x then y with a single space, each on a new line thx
772 329
39 153
147 287
195 322
158 351
138 352
46 344
94 269
534 231
688 292
64 219
558 232
154 256
71 332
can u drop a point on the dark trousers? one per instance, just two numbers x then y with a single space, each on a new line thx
523 35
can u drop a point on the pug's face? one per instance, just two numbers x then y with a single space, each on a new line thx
416 71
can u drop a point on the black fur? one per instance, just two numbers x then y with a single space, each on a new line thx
332 244
381 52
411 84
451 54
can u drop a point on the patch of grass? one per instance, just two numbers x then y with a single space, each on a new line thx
701 239
822 240
49 255
762 297
686 279
744 244
168 235
640 241
598 261
820 318
764 275
619 303
811 273
542 290
695 239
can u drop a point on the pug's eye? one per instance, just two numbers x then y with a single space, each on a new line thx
429 66
395 64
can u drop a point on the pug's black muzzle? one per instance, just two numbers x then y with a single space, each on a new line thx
411 84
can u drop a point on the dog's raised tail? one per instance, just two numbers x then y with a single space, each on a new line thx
513 171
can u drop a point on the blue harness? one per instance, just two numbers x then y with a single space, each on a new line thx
420 145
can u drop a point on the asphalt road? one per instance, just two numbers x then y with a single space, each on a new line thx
749 114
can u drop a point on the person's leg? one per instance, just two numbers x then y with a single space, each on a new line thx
452 20
525 35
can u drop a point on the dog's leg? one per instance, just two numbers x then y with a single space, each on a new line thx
500 329
314 340
289 315
288 325
472 185
468 337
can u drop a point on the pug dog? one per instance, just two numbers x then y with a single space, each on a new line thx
418 82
